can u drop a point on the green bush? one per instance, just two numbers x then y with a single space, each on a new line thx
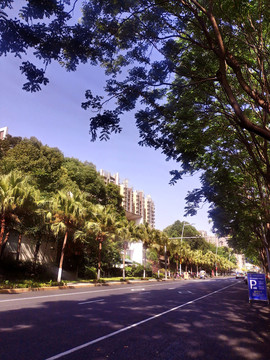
115 272
90 272
148 272
129 270
138 271
161 275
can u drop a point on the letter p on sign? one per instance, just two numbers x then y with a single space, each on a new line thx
253 283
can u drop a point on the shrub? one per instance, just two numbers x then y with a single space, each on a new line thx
149 272
129 270
115 272
90 272
138 271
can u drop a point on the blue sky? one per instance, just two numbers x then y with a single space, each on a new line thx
55 117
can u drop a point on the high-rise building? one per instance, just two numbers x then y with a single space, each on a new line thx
149 211
127 194
109 178
138 203
138 208
3 132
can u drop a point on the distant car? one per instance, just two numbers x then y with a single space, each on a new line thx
240 275
202 274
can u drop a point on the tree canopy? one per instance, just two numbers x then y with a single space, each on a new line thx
195 71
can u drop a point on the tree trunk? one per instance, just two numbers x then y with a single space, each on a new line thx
19 247
144 262
165 256
3 225
38 243
99 259
62 258
4 244
124 264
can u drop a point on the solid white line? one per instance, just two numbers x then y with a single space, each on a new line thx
70 351
89 302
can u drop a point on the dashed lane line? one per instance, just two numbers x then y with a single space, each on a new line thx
80 347
90 302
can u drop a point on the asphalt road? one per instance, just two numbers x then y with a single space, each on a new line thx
194 319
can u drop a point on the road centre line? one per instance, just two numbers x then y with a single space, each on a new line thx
89 302
80 347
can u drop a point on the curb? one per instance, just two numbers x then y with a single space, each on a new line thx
73 286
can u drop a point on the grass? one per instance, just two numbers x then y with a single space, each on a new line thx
20 284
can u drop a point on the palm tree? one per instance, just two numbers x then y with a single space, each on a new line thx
18 203
26 211
148 236
125 230
185 254
164 239
11 187
198 259
161 246
210 259
103 225
67 215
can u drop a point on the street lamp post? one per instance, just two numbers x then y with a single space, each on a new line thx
180 266
165 256
216 255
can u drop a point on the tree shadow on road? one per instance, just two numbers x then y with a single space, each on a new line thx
223 326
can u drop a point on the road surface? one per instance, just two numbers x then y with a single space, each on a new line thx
193 319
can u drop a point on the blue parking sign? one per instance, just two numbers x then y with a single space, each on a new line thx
257 287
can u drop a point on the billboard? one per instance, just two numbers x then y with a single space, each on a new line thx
257 287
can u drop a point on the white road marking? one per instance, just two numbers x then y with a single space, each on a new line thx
138 289
171 288
89 302
77 348
70 294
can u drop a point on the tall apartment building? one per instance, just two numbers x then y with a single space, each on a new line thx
109 178
138 207
149 211
127 194
3 132
138 203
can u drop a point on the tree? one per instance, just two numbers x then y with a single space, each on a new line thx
85 176
67 215
41 162
125 230
196 66
148 236
195 40
198 260
11 193
194 240
8 143
102 224
240 203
